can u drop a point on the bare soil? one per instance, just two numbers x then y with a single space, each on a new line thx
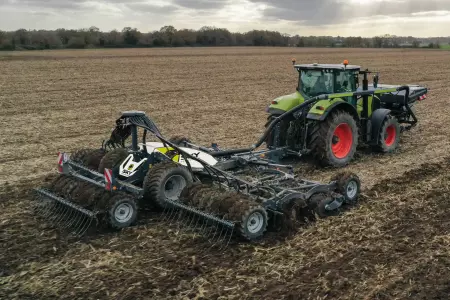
393 245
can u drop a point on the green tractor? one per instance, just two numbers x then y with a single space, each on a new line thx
330 114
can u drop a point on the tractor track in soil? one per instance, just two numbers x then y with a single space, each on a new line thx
392 246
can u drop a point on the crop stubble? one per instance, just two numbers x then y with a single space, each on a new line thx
394 245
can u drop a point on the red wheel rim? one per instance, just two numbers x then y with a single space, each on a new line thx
342 140
390 135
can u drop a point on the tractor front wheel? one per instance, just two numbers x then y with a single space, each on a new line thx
334 140
389 136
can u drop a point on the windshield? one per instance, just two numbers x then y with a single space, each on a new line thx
316 82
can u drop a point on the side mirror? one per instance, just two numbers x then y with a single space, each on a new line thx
375 80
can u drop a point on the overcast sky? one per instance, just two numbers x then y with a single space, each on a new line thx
304 17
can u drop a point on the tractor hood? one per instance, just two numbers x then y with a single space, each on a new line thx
285 103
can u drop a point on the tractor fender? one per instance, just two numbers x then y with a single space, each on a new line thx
377 118
315 114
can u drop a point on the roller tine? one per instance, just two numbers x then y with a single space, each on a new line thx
199 221
166 208
164 212
218 239
229 239
73 218
195 226
43 207
77 222
216 226
204 227
211 228
62 214
221 242
57 213
192 220
169 213
85 219
77 229
175 216
225 238
39 207
179 220
68 219
87 225
48 208
188 218
51 211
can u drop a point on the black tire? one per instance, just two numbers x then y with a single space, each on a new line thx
277 137
389 136
317 204
122 211
254 223
89 158
112 159
166 179
323 137
348 185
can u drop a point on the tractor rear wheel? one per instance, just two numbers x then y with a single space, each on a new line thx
334 141
389 136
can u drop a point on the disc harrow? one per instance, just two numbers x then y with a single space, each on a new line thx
220 193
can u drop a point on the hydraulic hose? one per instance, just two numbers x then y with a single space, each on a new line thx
269 129
286 114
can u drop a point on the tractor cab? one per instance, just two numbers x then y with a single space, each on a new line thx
316 79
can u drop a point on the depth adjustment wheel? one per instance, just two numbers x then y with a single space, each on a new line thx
122 211
348 185
333 141
253 223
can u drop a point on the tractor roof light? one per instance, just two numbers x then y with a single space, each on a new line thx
345 63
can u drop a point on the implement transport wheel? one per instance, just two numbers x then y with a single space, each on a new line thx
89 158
165 180
317 204
112 159
253 223
389 136
348 185
122 211
334 140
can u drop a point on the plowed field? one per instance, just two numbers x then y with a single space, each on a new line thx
394 245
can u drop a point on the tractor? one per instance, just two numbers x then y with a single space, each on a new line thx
340 114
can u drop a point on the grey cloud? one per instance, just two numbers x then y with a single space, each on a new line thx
138 6
201 4
145 7
55 4
324 12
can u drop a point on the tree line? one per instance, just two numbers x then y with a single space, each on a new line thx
169 36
